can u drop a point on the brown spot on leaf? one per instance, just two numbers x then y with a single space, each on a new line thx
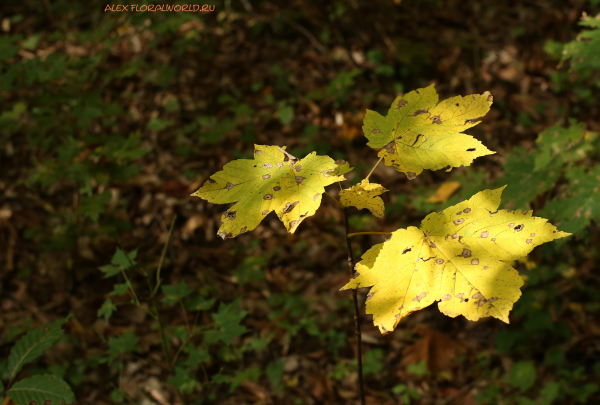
467 210
243 229
406 250
267 165
511 225
481 302
375 131
211 181
532 235
475 261
290 206
268 197
369 296
229 186
299 179
485 267
315 197
384 329
432 245
458 221
493 239
280 164
34 402
401 104
493 299
230 215
439 261
529 241
355 275
47 402
419 297
524 212
519 227
276 188
298 168
466 253
258 152
436 119
419 112
459 296
455 236
471 150
446 297
265 212
485 234
266 176
490 97
293 224
458 213
411 175
477 296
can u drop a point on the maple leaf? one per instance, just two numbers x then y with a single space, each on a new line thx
457 257
418 133
364 195
273 181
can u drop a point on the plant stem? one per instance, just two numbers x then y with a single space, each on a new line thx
356 313
373 169
367 233
337 202
162 257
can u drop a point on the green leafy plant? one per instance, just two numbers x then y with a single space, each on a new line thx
44 389
457 257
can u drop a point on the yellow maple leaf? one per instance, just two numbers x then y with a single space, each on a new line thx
364 195
418 133
444 192
273 181
457 258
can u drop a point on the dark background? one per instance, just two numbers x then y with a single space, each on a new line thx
110 120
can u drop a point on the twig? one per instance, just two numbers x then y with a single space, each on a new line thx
367 233
361 389
162 257
373 169
308 35
333 198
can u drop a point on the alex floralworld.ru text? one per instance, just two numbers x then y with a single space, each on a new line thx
190 8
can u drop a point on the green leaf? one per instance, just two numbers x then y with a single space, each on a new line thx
174 293
523 375
184 381
227 323
109 270
251 374
275 371
549 393
198 302
33 344
273 181
107 309
120 345
120 259
41 388
285 112
343 167
250 270
119 289
197 356
584 51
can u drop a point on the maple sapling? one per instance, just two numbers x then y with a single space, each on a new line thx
457 258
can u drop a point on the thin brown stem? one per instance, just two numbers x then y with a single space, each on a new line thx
366 233
162 257
333 198
374 167
356 313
